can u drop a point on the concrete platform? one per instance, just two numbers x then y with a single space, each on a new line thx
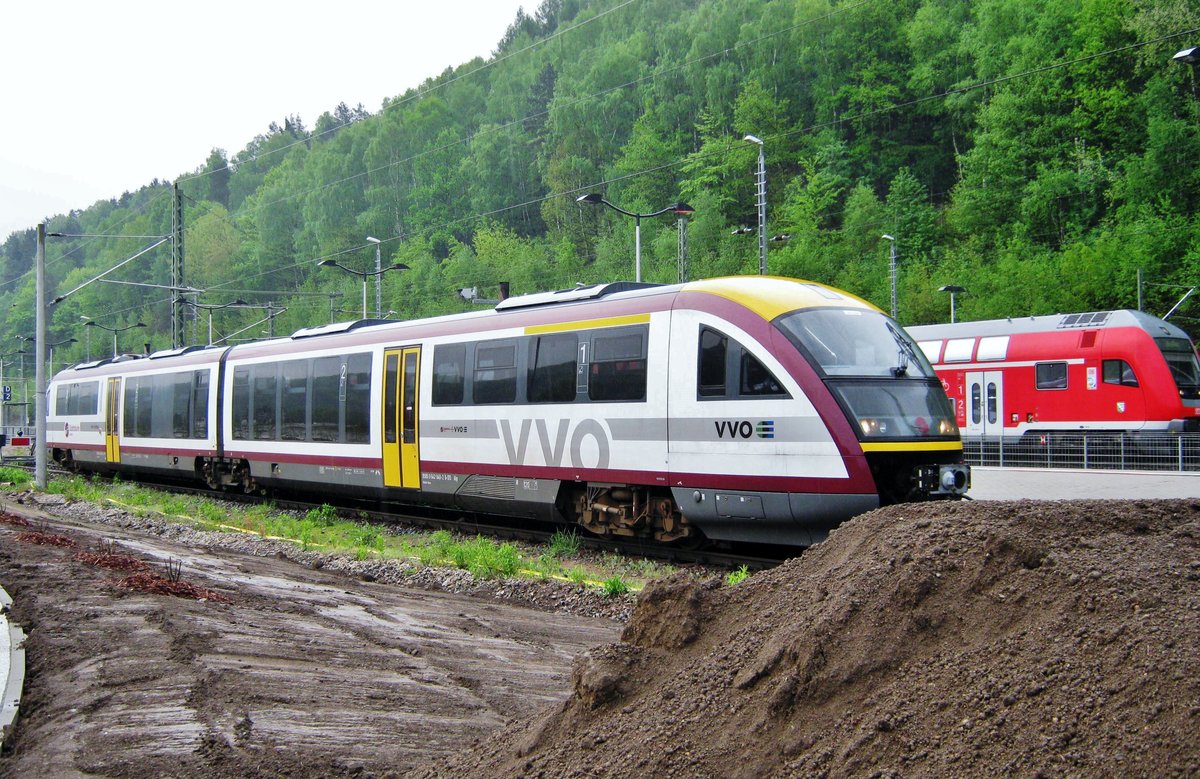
1075 484
12 667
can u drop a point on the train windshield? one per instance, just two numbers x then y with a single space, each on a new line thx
1185 369
853 342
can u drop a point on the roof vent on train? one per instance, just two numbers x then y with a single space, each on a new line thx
339 327
176 352
1094 319
588 292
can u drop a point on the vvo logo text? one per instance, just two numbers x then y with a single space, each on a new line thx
744 428
555 447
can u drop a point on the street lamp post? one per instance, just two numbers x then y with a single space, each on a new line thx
1190 56
682 209
50 350
378 278
364 275
892 271
113 330
211 308
953 289
761 185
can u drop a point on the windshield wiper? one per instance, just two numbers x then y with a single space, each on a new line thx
901 369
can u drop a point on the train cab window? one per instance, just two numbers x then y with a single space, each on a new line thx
1119 372
618 368
449 374
495 379
1051 375
552 368
711 364
720 357
756 380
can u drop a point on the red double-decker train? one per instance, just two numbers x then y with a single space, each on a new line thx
1106 371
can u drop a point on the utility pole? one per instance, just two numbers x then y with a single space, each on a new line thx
682 270
177 324
39 401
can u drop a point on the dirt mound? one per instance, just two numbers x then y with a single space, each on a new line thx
972 639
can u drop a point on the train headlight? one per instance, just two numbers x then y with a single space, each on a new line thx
947 427
872 426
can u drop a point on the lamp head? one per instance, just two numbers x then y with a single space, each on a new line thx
952 288
398 266
328 263
887 237
753 139
683 209
372 239
592 197
1189 56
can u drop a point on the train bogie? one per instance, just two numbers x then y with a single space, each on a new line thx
670 413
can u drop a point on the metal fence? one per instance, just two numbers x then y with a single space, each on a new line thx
1099 451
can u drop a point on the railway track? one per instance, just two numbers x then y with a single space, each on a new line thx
465 523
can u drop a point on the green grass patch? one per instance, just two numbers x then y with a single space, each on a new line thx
738 576
322 529
14 476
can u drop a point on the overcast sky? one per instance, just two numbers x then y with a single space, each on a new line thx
102 97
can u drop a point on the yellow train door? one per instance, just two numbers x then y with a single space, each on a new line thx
401 455
112 422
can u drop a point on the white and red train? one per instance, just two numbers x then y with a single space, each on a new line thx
751 409
1107 371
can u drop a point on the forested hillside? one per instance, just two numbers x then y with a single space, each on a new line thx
1037 154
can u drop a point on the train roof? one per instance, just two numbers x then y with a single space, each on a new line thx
767 296
1095 320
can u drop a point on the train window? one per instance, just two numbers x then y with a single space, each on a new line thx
78 399
241 403
756 380
181 405
1051 375
976 405
618 369
139 406
720 357
992 410
200 404
293 400
326 408
358 399
552 368
994 347
856 343
711 363
1185 369
449 374
263 403
959 350
1119 372
495 372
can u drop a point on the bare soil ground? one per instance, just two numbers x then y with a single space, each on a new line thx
285 670
1033 639
974 639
